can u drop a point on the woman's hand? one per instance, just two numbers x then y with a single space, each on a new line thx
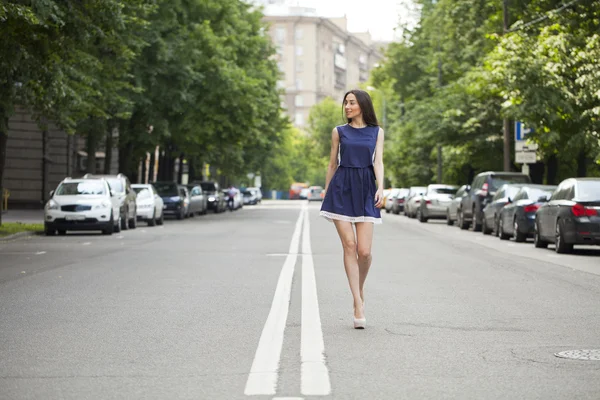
379 198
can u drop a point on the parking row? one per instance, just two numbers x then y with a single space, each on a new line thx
508 205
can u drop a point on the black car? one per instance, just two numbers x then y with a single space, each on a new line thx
216 198
121 187
571 216
174 198
480 193
491 212
517 218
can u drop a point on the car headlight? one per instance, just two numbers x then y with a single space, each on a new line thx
104 204
211 198
52 205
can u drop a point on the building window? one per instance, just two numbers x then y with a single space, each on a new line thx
299 120
299 33
298 84
299 66
299 100
299 50
280 66
280 35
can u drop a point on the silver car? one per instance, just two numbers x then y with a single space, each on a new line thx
435 201
413 200
452 207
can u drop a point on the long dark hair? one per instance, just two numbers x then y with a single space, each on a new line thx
366 106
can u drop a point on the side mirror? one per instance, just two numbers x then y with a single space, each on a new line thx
509 200
51 193
112 194
468 188
543 199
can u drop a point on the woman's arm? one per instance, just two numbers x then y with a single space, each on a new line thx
378 167
333 157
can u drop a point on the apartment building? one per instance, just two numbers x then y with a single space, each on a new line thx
317 57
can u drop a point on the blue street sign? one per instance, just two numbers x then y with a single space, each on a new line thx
521 131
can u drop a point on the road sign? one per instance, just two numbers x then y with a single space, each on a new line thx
521 131
525 157
525 145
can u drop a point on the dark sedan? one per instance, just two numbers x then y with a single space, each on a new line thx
174 199
571 216
491 212
517 218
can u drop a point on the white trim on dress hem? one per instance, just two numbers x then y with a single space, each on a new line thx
331 216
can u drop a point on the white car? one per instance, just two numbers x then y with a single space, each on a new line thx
82 205
149 204
256 191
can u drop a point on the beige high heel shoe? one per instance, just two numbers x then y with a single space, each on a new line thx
360 323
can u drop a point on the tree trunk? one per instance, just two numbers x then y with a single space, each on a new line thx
109 146
582 164
551 170
3 142
91 152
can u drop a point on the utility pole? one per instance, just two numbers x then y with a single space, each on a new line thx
439 146
506 122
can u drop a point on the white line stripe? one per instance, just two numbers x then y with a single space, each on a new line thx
315 376
262 379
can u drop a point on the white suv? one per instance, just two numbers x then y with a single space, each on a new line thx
82 205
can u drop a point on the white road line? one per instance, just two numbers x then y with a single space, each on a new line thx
314 375
262 379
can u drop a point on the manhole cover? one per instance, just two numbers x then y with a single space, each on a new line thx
590 355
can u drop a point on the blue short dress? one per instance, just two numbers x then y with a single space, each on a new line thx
351 192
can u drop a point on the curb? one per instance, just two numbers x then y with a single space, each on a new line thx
18 235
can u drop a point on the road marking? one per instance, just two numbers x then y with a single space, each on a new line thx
87 243
314 375
262 379
39 253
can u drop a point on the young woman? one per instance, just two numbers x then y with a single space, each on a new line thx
354 190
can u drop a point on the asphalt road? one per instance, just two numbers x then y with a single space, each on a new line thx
255 303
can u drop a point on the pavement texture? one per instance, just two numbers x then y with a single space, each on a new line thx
177 312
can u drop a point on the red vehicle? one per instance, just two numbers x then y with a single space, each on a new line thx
295 189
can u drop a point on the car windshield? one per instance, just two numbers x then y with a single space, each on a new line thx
535 194
167 189
142 192
208 187
78 188
588 190
450 191
511 191
247 194
498 180
115 185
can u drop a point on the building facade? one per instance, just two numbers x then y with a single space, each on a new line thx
317 57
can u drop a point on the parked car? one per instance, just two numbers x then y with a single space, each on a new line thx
413 199
238 197
249 197
452 207
82 205
175 200
184 193
215 197
388 196
399 200
491 212
198 200
316 193
481 191
257 192
121 187
149 204
434 202
518 216
304 192
571 216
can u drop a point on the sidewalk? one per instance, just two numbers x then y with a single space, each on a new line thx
25 216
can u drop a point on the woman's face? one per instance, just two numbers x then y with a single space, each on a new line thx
351 106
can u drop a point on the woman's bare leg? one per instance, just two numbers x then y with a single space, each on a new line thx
346 233
364 239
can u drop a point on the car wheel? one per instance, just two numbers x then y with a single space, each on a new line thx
133 223
124 222
501 234
537 239
117 227
62 232
387 210
484 228
161 220
420 216
461 221
560 246
152 221
49 232
476 226
449 222
519 236
496 227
